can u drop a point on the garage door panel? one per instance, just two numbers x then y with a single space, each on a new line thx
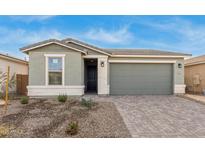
141 79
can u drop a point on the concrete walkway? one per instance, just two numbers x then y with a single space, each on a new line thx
199 98
160 116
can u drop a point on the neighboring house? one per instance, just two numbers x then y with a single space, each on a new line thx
17 66
195 74
74 68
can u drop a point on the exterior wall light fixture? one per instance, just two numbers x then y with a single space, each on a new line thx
102 63
179 65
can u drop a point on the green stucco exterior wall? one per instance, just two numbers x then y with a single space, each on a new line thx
74 65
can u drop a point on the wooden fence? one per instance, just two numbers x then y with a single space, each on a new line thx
21 84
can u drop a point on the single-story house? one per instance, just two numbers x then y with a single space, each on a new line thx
17 66
73 67
195 74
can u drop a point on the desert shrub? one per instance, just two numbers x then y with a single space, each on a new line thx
24 99
4 131
62 98
87 103
72 128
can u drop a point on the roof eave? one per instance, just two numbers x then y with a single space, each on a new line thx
153 56
14 59
194 63
26 50
98 50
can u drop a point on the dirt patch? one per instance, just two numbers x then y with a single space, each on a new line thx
49 118
37 122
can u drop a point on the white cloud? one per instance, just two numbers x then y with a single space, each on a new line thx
182 35
22 36
187 36
31 18
120 35
13 39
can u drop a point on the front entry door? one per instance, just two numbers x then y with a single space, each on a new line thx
92 79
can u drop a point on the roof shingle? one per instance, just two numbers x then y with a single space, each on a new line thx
143 52
110 51
199 59
11 58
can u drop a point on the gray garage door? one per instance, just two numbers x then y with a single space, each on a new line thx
137 79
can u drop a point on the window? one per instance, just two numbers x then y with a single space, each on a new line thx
55 71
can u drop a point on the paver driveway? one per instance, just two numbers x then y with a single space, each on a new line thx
160 116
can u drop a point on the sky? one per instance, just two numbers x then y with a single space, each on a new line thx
184 34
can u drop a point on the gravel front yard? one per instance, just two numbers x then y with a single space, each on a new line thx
50 118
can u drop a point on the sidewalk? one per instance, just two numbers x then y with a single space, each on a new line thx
199 98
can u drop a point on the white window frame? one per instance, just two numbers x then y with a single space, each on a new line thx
63 68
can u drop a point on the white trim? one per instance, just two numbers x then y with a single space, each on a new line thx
38 46
179 89
57 86
153 56
142 61
108 89
54 55
63 71
94 56
103 88
55 90
46 68
46 71
89 47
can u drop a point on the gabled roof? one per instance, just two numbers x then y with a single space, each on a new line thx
47 42
85 45
14 59
109 52
80 42
143 52
195 60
